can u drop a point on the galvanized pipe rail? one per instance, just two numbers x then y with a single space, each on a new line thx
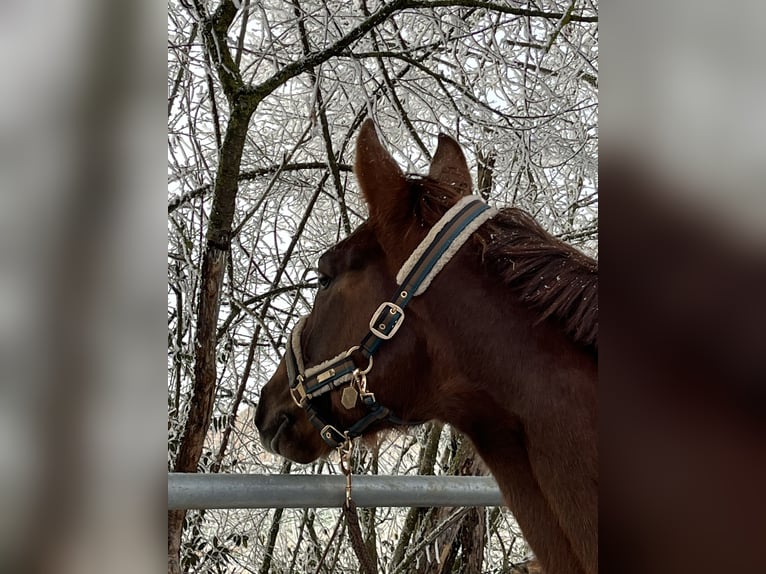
324 491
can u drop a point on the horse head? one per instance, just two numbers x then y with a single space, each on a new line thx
355 276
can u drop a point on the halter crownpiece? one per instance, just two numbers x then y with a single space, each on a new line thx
441 243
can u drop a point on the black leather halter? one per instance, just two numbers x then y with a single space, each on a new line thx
438 247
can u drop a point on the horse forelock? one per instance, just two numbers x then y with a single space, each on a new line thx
552 277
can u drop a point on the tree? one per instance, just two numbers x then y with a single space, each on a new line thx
264 101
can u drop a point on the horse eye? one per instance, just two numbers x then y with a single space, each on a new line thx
324 281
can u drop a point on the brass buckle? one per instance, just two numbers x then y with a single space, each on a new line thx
300 388
327 433
393 308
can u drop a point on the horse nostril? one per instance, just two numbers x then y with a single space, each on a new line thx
283 422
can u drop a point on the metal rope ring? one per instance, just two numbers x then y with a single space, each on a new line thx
369 364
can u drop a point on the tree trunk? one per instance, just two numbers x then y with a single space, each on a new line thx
213 268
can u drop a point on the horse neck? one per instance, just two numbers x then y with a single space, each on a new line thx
525 395
488 346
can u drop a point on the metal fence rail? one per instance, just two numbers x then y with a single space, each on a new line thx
322 491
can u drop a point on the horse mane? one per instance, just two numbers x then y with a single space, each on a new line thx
549 275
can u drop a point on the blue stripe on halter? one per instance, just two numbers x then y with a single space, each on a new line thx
429 259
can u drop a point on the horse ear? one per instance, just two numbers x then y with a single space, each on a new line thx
449 166
381 180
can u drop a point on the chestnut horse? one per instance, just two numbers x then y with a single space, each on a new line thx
502 344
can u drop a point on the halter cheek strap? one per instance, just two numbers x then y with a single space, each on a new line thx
434 252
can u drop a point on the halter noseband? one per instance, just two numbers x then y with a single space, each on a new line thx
434 252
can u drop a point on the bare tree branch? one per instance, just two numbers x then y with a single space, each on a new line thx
250 175
495 7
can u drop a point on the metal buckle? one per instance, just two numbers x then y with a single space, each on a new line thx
393 308
327 434
301 389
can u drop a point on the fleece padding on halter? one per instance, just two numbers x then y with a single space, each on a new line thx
339 369
430 240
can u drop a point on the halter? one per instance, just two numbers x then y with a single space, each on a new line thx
434 252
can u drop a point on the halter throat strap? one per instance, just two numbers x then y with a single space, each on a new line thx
441 243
